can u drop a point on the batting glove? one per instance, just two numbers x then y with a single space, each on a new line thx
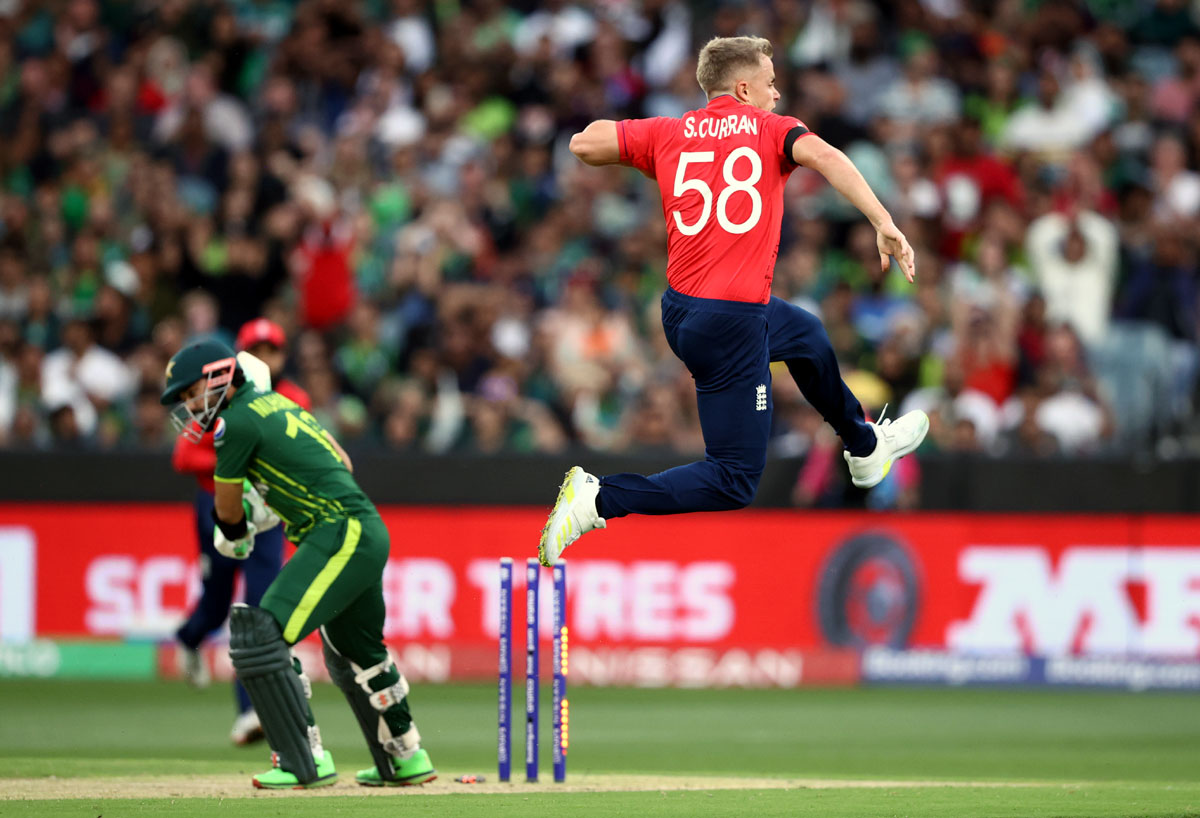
235 549
258 513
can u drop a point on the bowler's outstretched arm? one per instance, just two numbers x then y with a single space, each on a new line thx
812 151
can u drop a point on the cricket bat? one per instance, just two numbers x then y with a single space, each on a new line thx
256 369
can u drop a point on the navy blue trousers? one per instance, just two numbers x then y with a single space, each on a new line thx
219 574
728 346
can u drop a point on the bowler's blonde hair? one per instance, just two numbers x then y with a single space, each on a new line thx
722 58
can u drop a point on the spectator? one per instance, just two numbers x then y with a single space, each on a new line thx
410 30
989 279
1162 292
204 113
322 261
1087 96
10 343
1173 95
866 69
388 180
995 105
920 97
1177 189
969 180
914 195
986 345
64 427
1046 125
1074 261
826 35
1165 23
564 26
1162 289
362 360
961 419
150 429
81 381
1070 409
14 284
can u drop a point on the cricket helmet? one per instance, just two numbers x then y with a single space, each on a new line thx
210 361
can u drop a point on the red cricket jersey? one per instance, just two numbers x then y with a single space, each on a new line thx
721 171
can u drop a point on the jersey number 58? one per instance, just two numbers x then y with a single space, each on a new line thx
732 185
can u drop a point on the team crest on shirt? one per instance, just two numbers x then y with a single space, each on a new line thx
760 398
219 430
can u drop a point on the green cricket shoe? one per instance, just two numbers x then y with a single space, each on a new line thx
277 779
416 769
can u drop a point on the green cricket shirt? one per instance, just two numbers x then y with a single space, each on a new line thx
283 451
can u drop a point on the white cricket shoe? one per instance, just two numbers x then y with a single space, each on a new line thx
574 515
247 729
893 440
191 666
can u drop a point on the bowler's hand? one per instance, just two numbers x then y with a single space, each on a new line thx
891 242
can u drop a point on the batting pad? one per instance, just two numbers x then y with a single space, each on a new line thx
264 665
365 713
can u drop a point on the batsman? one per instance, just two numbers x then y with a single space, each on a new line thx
275 463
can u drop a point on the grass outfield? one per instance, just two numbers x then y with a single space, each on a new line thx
877 752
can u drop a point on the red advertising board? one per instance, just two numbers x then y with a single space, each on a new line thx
752 597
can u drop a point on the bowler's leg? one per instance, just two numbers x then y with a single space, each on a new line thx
724 346
798 338
727 355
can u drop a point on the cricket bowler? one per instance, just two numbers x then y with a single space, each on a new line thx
275 463
721 171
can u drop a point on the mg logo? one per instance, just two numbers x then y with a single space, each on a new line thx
1092 600
17 591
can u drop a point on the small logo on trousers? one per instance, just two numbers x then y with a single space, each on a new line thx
760 398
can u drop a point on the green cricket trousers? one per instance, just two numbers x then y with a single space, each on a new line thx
334 581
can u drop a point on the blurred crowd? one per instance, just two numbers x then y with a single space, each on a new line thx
389 181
